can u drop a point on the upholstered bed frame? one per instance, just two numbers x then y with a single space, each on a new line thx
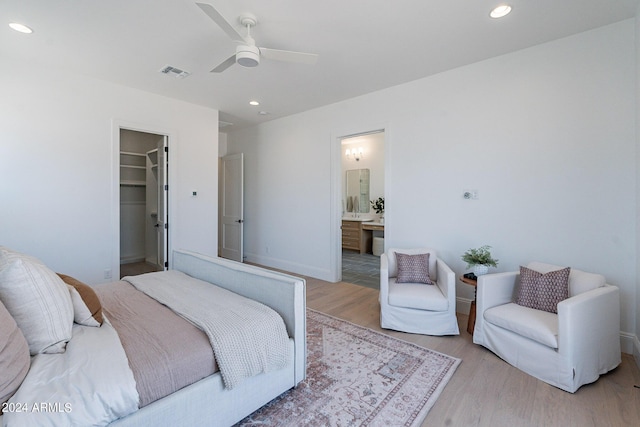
207 402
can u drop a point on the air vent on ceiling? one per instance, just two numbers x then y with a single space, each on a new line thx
222 124
175 72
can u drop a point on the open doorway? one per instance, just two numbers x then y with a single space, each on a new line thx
362 222
143 202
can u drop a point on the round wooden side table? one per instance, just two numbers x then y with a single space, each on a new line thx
471 323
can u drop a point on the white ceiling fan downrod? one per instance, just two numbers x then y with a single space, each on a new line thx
248 55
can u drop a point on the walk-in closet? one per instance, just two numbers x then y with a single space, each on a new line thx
142 164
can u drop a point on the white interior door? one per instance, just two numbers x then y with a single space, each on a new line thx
163 221
232 207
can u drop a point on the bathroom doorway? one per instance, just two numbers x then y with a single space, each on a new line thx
362 196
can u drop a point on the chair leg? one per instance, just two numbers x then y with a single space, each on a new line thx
471 323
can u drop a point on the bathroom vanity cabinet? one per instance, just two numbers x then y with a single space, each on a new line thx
358 234
353 237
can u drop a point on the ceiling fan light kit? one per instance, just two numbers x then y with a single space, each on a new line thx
247 56
247 53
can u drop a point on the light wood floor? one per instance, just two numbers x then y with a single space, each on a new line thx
486 391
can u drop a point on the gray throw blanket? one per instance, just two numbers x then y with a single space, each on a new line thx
247 337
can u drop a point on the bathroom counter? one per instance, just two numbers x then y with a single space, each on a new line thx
377 226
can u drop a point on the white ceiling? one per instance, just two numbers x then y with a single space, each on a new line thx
363 45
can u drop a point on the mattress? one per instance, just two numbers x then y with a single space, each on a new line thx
165 351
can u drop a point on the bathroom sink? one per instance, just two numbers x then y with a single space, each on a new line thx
350 218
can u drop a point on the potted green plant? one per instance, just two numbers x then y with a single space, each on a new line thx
479 259
378 206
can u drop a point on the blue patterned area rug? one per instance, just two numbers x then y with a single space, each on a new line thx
359 377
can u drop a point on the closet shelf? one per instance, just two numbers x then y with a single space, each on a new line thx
153 157
130 183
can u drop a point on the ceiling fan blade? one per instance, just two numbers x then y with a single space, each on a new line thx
225 64
222 23
289 56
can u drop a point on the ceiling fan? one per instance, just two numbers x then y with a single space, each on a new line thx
247 53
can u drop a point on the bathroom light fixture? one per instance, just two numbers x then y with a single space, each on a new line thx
254 103
356 153
500 11
20 28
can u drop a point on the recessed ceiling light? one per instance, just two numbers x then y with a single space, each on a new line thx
254 103
21 28
500 11
264 113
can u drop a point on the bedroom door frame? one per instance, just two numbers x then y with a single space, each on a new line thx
162 189
169 137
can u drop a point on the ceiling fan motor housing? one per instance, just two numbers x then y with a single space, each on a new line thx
247 56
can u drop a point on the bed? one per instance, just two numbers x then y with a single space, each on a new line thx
102 383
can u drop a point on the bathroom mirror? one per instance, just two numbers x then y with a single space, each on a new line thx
357 195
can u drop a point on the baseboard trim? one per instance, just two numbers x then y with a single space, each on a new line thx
635 347
289 266
131 259
463 305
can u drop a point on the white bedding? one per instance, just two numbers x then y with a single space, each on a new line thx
96 362
247 337
90 384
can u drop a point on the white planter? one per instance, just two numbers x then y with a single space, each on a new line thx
480 269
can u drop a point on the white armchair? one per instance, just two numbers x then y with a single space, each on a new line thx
567 349
416 307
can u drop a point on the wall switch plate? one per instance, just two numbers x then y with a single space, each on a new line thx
107 273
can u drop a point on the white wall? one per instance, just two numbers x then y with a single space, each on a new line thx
222 144
57 167
546 135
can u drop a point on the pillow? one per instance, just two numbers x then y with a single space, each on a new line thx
543 291
38 300
579 281
14 356
87 309
413 268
